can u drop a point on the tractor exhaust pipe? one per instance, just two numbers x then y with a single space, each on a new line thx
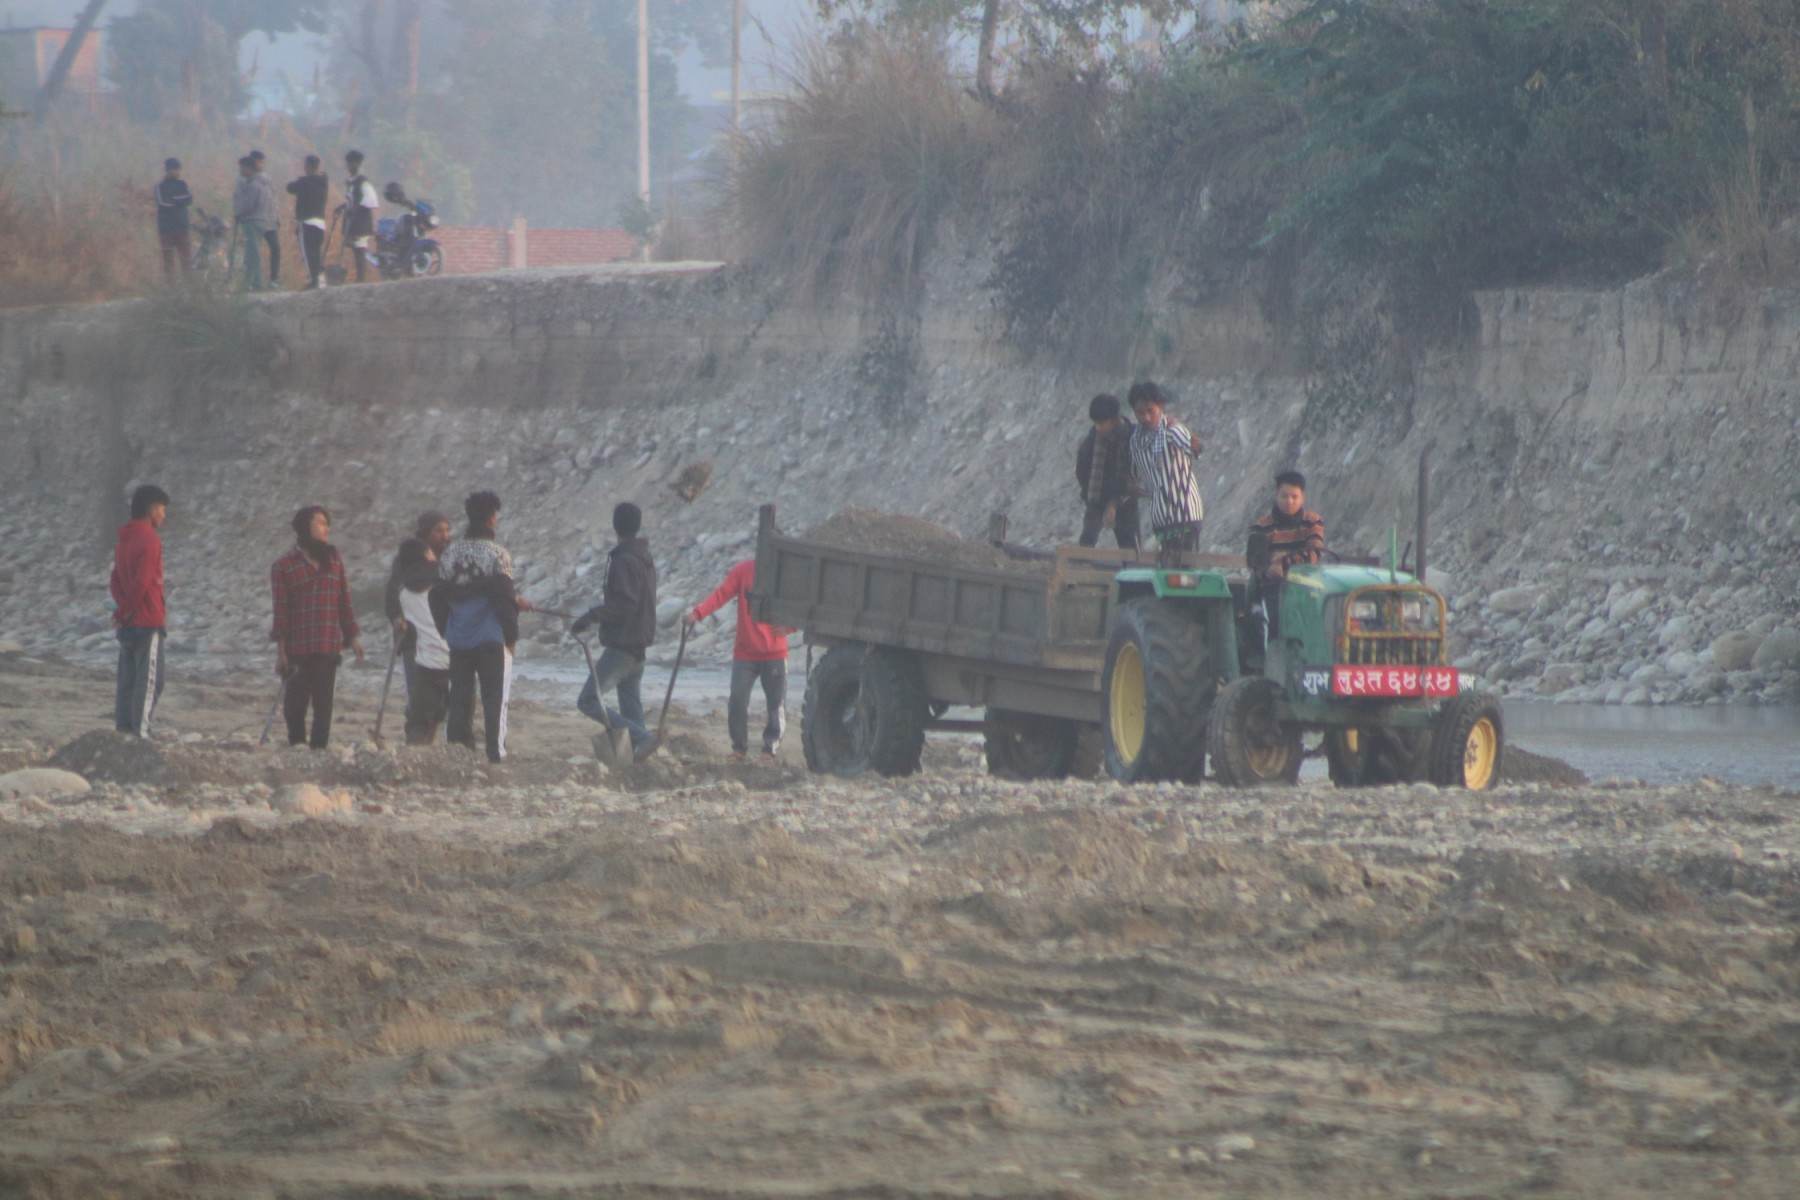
1424 505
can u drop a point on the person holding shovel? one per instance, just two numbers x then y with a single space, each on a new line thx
314 621
758 655
626 616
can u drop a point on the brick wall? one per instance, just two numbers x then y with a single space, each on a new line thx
470 249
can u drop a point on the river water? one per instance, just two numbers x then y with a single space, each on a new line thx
1734 744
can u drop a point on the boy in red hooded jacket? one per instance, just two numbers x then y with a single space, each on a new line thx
759 653
142 621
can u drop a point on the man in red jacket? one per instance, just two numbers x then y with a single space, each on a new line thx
758 654
142 622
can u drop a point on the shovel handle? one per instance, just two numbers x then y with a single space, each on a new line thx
680 653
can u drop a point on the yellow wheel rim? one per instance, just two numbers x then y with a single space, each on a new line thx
1126 704
1480 753
1352 742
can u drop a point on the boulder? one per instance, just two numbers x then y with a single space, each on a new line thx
1558 677
309 800
1515 599
42 783
1735 651
1780 651
1673 630
1681 663
1629 605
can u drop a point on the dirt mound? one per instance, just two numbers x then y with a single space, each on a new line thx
873 532
1522 766
120 758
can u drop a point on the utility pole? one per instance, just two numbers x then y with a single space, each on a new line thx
643 89
737 64
65 61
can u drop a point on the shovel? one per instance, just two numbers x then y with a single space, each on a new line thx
611 755
280 694
663 718
381 709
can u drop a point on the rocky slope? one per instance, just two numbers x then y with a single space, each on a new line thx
1614 511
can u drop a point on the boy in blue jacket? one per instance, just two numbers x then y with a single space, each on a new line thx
477 610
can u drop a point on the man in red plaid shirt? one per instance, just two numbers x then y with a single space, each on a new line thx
313 623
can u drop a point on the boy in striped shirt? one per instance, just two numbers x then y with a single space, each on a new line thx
1162 465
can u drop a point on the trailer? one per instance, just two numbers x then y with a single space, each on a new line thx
906 639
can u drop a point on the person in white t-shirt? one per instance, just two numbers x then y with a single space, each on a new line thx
428 661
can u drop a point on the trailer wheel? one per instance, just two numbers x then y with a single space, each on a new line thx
828 731
1372 757
1155 692
1249 746
892 710
1028 746
1468 742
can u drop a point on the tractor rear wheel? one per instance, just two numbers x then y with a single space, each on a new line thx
1155 693
1249 746
1468 743
829 736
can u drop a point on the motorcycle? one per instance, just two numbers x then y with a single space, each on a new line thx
209 235
403 245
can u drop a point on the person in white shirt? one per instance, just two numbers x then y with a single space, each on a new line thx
428 654
363 201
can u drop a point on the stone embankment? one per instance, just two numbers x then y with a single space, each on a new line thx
1614 512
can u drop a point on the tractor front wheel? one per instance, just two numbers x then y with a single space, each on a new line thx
1468 743
1249 746
1155 693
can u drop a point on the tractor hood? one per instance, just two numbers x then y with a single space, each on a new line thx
1341 578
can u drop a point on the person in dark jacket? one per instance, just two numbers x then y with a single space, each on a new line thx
309 192
1288 535
406 601
626 616
314 621
173 198
139 615
475 606
1103 472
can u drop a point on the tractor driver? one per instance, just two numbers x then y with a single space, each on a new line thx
1288 534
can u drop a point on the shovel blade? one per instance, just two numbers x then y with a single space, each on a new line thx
613 747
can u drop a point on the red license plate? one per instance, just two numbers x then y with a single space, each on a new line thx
1395 682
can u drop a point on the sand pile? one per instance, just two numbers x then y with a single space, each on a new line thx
872 532
1522 766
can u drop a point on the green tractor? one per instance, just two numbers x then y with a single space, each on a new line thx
1359 654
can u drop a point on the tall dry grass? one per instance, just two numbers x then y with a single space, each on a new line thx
844 182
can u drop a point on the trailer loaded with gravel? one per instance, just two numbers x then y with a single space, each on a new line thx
1086 656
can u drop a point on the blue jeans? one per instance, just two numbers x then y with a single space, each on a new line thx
624 672
252 234
140 680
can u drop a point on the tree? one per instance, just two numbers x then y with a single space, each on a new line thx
180 57
1077 26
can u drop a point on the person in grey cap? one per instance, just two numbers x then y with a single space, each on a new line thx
172 200
407 603
271 235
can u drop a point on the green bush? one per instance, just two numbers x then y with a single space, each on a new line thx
845 182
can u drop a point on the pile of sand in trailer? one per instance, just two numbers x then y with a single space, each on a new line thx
897 536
